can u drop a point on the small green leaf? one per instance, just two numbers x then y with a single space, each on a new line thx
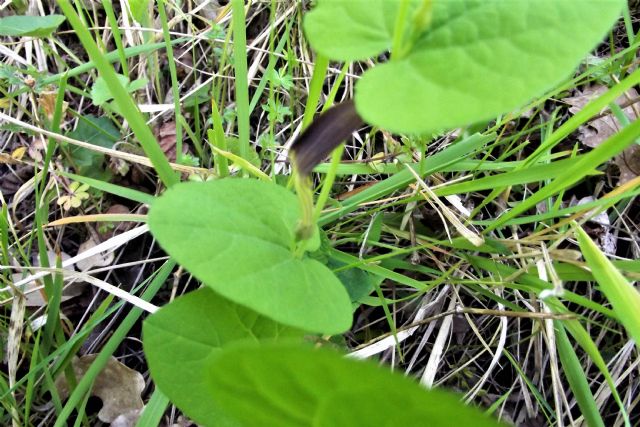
237 236
99 131
624 297
287 386
33 26
101 92
183 338
477 59
358 282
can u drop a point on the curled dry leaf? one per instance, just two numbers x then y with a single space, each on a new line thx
598 130
47 102
166 134
118 386
130 419
629 163
37 148
101 259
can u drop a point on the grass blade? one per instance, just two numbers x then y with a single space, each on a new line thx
624 298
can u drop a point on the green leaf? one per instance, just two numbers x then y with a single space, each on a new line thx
140 10
101 92
233 145
259 387
33 26
352 30
576 377
478 59
183 338
358 282
624 297
99 131
237 236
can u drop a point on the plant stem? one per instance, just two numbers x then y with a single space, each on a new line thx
399 30
315 89
241 82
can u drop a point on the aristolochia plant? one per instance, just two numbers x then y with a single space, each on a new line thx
451 63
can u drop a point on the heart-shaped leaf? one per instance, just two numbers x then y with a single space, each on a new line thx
258 386
183 338
237 236
34 26
477 59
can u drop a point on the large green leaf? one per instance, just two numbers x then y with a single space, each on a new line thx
237 236
352 30
34 26
183 338
283 385
478 58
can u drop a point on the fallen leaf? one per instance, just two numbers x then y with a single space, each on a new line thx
598 130
7 159
166 134
118 386
47 101
129 419
37 148
605 238
102 259
107 230
36 298
18 153
629 163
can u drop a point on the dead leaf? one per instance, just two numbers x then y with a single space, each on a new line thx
208 8
118 386
629 163
37 148
36 297
598 130
47 101
166 134
18 153
102 259
107 230
129 419
602 232
7 159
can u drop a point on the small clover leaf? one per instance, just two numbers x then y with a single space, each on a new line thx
77 193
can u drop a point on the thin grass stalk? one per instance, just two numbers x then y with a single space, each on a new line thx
241 81
122 98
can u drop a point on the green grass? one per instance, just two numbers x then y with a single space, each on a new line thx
562 345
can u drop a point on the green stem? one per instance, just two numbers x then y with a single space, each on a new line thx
315 89
175 87
241 81
399 30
